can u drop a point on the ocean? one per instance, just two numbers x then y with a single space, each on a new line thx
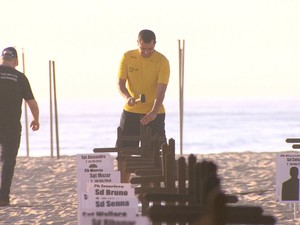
209 126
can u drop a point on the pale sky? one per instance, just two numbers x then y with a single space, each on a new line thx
232 47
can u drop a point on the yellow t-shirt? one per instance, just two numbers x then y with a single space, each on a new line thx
143 75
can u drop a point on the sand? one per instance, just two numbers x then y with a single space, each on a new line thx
44 189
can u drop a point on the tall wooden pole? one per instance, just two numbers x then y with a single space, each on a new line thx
181 89
51 109
25 110
55 111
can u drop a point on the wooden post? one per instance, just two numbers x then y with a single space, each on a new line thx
55 111
25 110
51 109
181 87
53 81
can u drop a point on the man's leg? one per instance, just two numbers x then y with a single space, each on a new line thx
9 151
158 128
130 125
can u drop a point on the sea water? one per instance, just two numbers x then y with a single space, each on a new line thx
209 126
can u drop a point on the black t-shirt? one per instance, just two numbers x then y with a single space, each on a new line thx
14 87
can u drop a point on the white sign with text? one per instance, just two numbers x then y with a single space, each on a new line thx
287 177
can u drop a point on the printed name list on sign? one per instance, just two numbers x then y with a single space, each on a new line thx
110 203
287 177
102 199
95 168
109 195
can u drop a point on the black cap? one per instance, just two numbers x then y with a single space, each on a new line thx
10 51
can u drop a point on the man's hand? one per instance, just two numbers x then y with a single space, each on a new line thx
130 101
149 117
35 125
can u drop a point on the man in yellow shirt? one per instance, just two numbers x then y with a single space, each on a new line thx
143 72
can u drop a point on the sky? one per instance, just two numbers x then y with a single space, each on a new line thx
233 48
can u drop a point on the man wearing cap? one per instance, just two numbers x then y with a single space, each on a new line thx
14 87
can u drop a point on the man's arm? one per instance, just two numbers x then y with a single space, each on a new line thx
34 108
160 96
124 92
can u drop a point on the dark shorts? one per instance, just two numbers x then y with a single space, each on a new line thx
130 124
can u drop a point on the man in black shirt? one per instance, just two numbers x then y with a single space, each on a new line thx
14 87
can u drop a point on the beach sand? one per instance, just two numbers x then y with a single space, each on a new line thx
44 189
